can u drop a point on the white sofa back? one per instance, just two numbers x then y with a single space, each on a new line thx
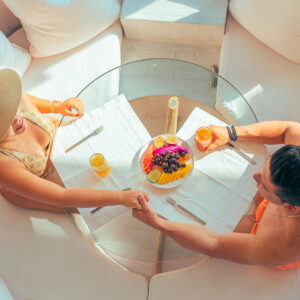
268 81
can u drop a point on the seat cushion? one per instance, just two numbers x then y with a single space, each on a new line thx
53 27
268 81
8 21
219 279
43 256
13 56
65 75
273 22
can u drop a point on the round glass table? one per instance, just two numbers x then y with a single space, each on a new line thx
147 86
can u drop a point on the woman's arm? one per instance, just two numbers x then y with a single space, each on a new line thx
269 132
18 180
64 108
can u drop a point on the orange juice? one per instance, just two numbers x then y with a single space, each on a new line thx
203 138
99 164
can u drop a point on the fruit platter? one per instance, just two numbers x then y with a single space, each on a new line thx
166 161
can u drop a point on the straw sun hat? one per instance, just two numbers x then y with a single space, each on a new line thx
10 97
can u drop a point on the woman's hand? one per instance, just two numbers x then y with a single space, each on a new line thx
130 198
65 108
147 215
220 137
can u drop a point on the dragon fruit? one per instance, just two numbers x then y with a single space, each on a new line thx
172 149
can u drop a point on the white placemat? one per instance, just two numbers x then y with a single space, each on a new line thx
224 165
122 136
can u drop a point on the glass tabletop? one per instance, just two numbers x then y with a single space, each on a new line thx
147 85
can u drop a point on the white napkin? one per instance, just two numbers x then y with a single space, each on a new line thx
224 165
122 136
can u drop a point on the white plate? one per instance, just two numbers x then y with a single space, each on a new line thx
174 183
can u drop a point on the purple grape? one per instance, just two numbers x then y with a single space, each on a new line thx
183 165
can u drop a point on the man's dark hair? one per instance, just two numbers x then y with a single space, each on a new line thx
285 173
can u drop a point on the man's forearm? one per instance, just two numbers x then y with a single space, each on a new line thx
194 237
269 132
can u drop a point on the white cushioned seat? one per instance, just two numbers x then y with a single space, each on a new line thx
268 81
224 280
43 256
64 75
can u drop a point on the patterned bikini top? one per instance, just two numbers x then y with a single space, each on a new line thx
34 163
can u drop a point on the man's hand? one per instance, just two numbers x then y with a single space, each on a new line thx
146 214
130 198
220 137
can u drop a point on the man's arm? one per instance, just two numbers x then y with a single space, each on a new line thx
237 247
242 248
268 132
271 132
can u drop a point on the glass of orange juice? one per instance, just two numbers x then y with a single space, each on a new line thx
99 164
203 138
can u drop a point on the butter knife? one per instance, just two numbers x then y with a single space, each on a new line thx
93 133
174 203
99 207
243 154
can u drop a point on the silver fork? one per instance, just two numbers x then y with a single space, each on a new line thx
93 133
174 203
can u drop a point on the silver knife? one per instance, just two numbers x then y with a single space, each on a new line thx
243 154
99 207
174 203
93 133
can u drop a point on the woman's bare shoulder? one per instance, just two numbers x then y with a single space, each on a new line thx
9 164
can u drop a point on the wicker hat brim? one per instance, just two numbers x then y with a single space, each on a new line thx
10 97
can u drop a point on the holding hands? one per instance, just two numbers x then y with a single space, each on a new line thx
130 199
146 214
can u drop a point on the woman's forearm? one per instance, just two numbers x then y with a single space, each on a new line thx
44 106
81 197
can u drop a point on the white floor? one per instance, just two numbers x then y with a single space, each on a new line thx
202 55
